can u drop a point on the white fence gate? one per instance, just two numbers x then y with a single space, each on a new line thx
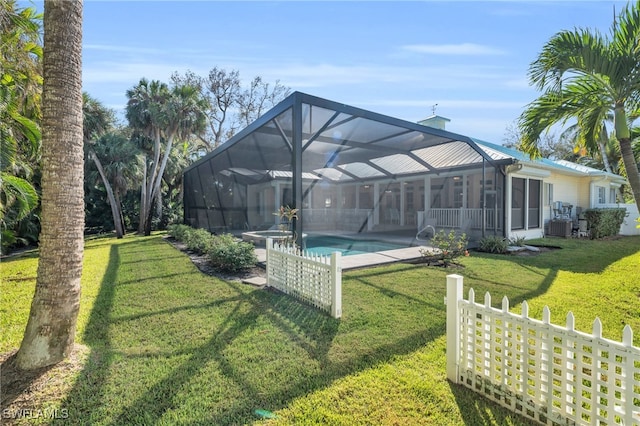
314 279
550 374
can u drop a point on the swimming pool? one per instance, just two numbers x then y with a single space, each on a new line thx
325 245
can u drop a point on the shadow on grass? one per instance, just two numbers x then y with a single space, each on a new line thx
478 410
262 318
90 386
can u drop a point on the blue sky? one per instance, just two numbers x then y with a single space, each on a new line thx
396 58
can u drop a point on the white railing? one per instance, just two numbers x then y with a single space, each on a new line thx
342 219
542 371
313 279
455 218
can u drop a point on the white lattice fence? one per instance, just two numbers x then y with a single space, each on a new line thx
314 279
545 372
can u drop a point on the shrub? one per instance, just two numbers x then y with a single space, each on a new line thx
604 222
446 247
517 241
199 240
229 255
179 231
493 244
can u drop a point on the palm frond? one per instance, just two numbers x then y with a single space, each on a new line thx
18 194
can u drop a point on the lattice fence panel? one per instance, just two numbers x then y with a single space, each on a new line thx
313 279
548 373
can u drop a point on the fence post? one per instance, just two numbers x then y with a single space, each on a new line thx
336 285
454 294
269 246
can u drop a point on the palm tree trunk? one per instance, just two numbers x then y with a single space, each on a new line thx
142 225
631 167
623 134
116 195
602 145
51 327
115 206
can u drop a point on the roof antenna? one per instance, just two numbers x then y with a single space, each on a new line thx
433 109
615 22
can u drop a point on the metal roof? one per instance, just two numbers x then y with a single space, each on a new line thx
341 143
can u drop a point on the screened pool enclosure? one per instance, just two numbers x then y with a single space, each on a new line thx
347 171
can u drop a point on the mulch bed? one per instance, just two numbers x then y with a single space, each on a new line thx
202 263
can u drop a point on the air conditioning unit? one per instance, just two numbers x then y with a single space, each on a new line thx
560 228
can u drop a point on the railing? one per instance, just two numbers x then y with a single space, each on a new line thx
454 218
313 279
343 219
542 371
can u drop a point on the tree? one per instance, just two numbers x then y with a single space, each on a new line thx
114 156
51 327
163 115
258 98
20 89
550 146
229 106
587 76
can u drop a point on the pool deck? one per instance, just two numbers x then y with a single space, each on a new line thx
407 254
366 260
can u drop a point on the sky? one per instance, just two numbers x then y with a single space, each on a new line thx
464 60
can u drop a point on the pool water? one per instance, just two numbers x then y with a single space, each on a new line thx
325 245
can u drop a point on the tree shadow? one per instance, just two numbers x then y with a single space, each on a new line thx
283 319
14 381
475 409
90 386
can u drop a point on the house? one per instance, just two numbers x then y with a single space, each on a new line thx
353 171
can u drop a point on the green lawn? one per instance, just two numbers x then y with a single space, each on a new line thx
169 345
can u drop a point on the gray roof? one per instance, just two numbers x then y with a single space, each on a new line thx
342 143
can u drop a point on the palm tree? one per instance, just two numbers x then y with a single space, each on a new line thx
586 76
164 115
51 327
117 162
20 89
101 145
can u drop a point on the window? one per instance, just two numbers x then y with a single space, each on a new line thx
612 195
548 194
602 195
517 203
533 220
525 203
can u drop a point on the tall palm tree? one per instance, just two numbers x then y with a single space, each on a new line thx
586 76
164 115
51 327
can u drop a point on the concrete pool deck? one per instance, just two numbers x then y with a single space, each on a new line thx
365 260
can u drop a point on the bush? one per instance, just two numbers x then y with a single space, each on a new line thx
604 222
446 247
229 255
199 240
517 241
179 231
493 244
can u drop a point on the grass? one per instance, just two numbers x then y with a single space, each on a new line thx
169 345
